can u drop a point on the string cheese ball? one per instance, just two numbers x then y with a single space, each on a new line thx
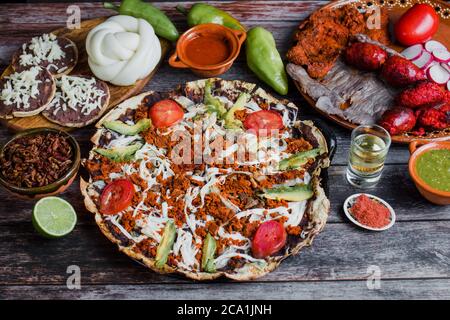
122 50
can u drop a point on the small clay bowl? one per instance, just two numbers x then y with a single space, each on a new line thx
233 39
54 188
433 195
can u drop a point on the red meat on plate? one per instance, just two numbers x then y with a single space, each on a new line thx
365 56
435 118
398 120
424 94
400 72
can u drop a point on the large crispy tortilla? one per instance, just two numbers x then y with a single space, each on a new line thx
317 207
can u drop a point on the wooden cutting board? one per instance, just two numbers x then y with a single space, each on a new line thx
118 94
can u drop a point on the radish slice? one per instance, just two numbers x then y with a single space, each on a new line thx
446 67
433 45
424 60
441 56
428 66
448 85
438 74
413 52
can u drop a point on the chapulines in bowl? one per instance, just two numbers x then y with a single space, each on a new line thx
39 162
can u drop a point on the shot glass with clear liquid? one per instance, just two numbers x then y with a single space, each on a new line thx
368 151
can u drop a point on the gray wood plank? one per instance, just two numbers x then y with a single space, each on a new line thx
341 252
390 289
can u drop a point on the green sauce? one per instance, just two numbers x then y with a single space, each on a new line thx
433 167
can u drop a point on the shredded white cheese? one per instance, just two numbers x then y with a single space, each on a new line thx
115 221
151 225
20 87
42 48
77 93
222 260
185 246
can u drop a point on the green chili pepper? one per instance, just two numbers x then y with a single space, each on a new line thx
264 59
140 9
201 13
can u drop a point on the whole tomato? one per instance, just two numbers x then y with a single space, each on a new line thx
416 25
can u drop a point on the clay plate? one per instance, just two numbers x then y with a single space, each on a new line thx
395 9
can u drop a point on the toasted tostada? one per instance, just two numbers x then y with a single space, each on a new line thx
235 210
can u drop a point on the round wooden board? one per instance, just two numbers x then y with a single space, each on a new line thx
395 9
118 94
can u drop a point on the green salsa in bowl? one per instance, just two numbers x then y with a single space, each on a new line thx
429 167
433 167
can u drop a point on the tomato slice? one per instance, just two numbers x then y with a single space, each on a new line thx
269 239
262 122
116 196
166 113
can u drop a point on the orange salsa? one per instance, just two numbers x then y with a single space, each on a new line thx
207 50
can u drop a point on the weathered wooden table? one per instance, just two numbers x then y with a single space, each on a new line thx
413 257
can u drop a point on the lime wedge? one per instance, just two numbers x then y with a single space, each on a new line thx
54 217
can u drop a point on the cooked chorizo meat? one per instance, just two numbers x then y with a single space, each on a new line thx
321 38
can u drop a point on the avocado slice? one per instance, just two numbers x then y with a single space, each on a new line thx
213 104
120 154
166 244
299 192
230 121
128 130
209 250
297 160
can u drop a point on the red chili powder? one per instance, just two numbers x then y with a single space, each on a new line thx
370 212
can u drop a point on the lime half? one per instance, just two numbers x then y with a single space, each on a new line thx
54 217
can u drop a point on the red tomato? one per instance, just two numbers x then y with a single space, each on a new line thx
263 120
166 113
416 25
269 239
116 196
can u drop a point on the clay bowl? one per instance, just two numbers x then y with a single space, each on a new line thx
233 39
54 188
433 195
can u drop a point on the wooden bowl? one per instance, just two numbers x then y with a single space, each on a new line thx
234 38
54 188
433 195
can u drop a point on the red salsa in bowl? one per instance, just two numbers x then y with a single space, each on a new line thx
208 50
